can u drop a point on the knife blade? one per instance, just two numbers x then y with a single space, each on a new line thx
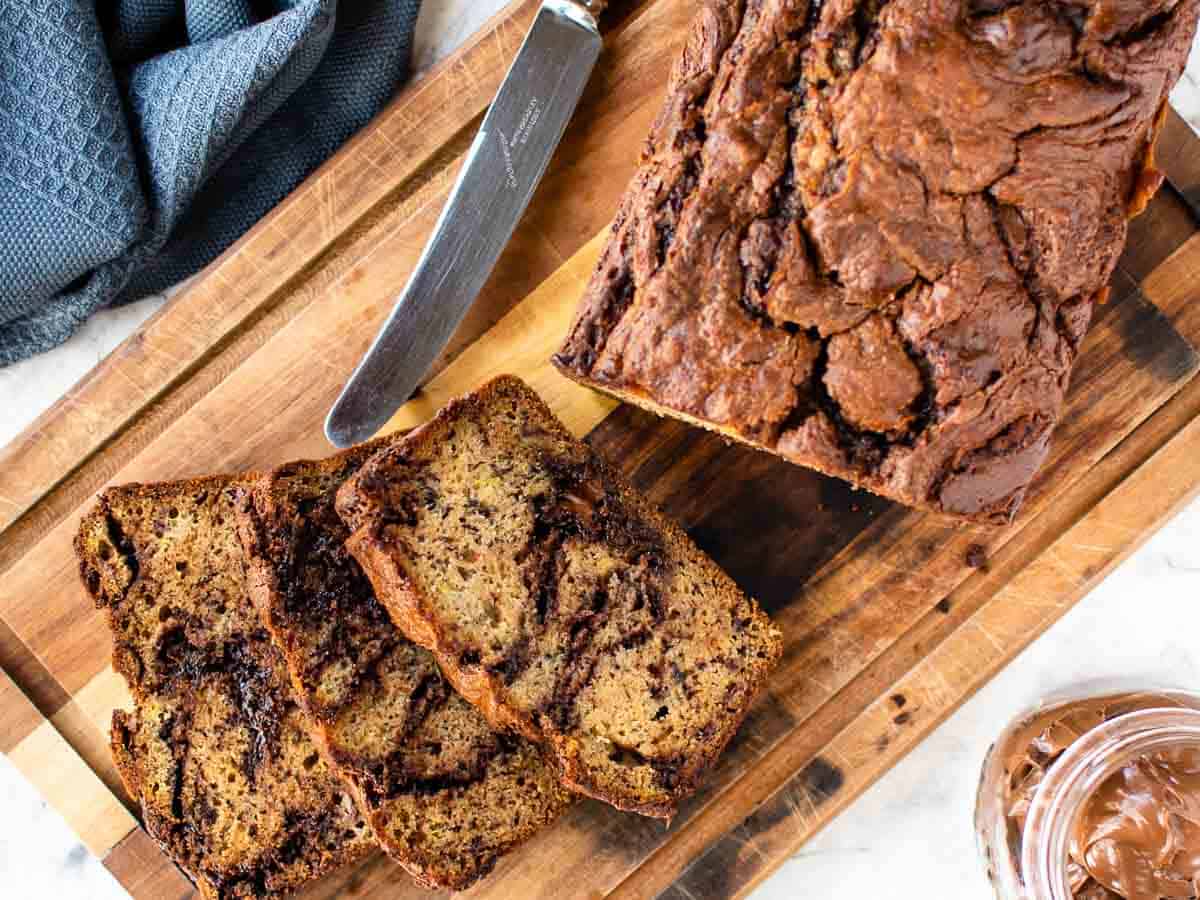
502 169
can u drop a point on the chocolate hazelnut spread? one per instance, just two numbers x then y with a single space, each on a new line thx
1137 835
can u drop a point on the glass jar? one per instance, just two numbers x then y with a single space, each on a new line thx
1040 786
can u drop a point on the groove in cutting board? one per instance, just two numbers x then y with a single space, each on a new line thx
864 593
141 868
43 756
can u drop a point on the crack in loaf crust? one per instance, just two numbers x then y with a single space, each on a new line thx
558 601
868 235
216 750
445 795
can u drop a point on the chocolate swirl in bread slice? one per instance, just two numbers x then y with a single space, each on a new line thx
557 600
216 750
445 795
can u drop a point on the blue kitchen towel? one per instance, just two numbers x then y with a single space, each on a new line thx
140 138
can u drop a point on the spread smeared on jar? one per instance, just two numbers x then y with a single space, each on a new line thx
1138 836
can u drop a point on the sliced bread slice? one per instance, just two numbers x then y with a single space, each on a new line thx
557 600
216 750
444 793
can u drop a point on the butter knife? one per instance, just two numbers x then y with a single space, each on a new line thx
502 169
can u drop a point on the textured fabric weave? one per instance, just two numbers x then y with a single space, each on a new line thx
140 138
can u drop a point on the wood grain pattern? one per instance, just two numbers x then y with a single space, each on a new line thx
832 774
20 717
1181 166
874 600
43 755
145 872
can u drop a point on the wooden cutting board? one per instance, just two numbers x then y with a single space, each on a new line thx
892 618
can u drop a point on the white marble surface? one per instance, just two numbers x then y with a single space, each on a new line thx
910 836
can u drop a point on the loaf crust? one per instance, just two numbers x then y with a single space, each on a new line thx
445 795
215 750
557 600
868 236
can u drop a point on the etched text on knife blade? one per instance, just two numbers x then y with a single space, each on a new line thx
520 137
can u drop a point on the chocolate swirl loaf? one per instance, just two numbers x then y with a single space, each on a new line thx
868 235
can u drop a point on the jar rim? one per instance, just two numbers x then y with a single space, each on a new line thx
1077 774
